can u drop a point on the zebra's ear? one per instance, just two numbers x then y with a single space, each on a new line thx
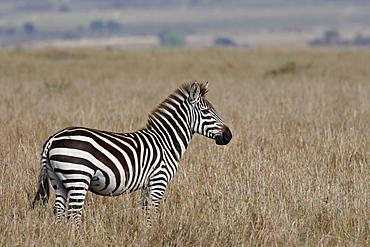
194 93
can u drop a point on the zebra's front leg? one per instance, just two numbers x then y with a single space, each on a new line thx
151 197
146 202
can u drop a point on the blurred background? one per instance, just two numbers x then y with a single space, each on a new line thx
191 23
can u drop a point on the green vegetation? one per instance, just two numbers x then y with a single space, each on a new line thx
331 35
171 39
287 68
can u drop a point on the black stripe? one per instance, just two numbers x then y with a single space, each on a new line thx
77 194
73 207
75 200
76 188
73 172
75 180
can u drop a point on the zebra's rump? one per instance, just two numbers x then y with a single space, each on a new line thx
103 158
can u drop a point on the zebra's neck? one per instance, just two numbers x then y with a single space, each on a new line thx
170 121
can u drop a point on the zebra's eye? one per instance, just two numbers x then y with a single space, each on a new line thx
205 110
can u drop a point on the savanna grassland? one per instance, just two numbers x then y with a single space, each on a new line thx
295 174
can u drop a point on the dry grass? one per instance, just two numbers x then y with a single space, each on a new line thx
296 172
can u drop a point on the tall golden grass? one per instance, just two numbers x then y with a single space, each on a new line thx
295 174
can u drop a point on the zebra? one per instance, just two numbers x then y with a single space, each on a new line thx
78 159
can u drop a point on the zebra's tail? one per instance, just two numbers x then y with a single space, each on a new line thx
42 195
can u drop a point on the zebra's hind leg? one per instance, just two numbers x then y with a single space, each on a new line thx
60 203
77 197
60 196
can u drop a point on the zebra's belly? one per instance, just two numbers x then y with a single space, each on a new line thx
95 189
98 186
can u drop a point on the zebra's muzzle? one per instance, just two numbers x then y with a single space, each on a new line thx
225 137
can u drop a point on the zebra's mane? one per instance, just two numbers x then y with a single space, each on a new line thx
180 95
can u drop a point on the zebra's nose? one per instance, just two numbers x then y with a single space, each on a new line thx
224 138
227 135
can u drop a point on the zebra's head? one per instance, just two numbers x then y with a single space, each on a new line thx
205 120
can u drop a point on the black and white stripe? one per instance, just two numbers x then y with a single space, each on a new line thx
79 159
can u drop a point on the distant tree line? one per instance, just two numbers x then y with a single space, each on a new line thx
27 28
99 25
332 38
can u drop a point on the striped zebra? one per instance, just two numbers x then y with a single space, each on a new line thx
78 159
